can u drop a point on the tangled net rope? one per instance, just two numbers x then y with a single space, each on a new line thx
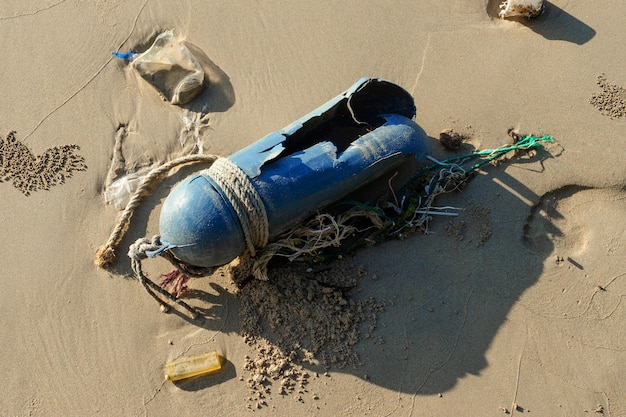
320 232
449 175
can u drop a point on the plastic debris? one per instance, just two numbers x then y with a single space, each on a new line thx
253 196
118 193
128 56
193 366
170 67
193 124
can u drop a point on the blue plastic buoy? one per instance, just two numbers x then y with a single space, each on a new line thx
297 171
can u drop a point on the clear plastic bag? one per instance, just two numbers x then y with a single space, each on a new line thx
194 123
171 68
118 193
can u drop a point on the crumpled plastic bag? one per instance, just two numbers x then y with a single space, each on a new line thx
171 68
194 123
119 192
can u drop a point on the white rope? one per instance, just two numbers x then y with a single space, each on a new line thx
245 199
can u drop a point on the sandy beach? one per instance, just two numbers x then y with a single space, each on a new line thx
513 307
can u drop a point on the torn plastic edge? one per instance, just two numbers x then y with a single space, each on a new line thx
367 99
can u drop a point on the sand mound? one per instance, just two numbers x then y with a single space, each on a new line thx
302 318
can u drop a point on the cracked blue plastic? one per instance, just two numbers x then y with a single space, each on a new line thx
199 225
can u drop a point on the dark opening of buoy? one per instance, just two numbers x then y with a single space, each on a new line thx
351 117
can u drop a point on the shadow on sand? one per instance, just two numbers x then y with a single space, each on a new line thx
554 24
444 294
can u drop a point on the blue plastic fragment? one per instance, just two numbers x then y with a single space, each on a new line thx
297 171
128 56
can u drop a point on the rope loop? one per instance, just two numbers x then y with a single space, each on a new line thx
137 252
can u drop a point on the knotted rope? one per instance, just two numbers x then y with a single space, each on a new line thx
246 201
320 232
136 253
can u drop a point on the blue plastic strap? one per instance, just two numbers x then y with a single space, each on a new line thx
157 252
128 56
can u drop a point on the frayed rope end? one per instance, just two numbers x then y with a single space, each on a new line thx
104 256
259 271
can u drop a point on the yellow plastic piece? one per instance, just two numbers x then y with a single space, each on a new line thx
193 366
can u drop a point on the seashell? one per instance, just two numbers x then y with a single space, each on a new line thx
527 8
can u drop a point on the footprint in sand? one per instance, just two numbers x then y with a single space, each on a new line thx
580 233
578 222
554 224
